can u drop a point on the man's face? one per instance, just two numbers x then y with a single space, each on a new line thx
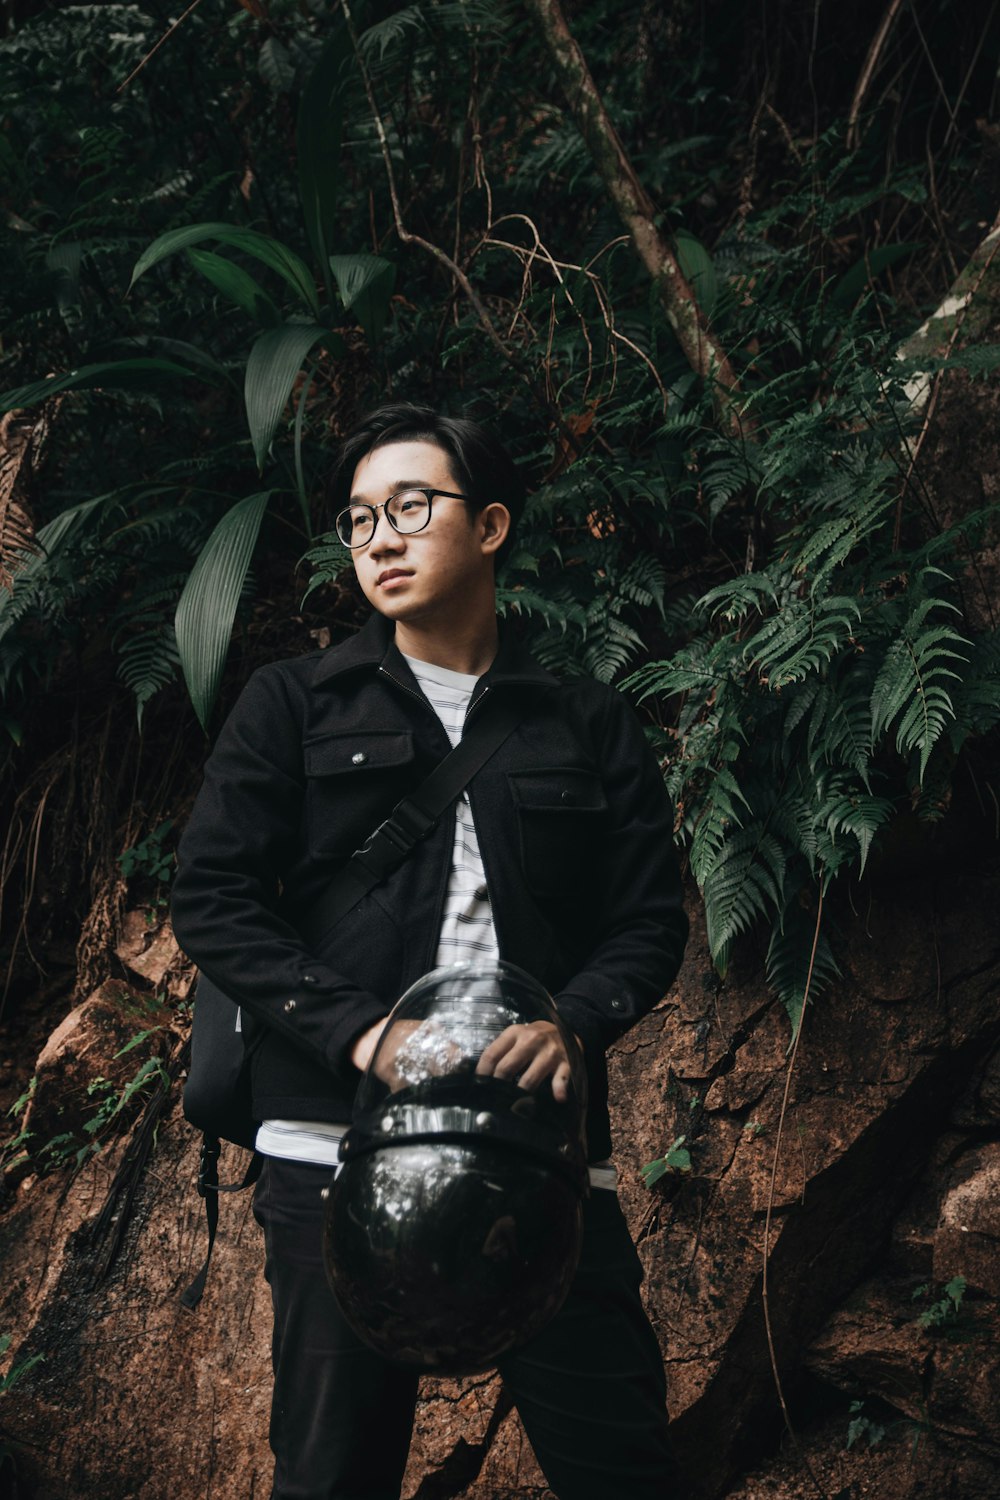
427 576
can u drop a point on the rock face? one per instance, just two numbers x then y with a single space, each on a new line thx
884 1182
88 1063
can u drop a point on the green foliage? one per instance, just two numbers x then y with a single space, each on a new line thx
944 1312
207 606
111 1104
17 1371
149 858
861 1426
676 1159
14 1151
205 287
822 686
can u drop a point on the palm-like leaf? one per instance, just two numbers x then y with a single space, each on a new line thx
235 284
275 360
207 607
318 139
288 265
365 284
114 374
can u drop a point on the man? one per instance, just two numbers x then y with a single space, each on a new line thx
558 858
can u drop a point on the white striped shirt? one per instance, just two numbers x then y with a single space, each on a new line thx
467 932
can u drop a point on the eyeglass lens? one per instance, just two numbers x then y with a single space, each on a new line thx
409 510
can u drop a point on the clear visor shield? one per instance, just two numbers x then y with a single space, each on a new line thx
431 1073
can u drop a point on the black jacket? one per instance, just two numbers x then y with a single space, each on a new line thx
574 827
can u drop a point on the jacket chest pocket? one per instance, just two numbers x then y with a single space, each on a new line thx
353 781
562 816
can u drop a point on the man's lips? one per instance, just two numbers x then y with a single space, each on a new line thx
390 575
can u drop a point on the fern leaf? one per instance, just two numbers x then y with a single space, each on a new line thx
148 659
720 814
911 690
745 881
840 729
859 814
789 954
804 637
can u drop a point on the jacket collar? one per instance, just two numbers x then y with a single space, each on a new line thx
374 645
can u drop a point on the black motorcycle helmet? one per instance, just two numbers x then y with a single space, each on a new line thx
453 1229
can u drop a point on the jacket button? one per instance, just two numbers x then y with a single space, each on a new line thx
618 1005
310 979
289 1006
358 758
567 796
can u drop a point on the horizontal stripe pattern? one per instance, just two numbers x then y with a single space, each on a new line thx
302 1140
467 932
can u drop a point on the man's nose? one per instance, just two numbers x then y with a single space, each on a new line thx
385 538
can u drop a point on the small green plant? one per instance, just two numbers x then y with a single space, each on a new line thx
7 1383
945 1311
16 1372
873 1432
754 1127
675 1160
110 1101
861 1426
148 857
13 1152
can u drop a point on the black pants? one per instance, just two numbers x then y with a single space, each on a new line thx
589 1388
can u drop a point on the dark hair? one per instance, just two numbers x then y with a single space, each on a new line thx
481 464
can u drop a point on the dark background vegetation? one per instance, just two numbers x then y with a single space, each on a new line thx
808 623
822 198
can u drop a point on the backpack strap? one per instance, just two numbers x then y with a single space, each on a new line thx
412 818
209 1188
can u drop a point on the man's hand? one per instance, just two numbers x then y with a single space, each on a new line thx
395 1066
529 1053
365 1044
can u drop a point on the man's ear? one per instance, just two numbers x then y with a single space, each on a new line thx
494 523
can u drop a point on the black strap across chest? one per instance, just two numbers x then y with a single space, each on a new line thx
413 818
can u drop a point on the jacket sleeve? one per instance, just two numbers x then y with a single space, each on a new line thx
643 927
242 834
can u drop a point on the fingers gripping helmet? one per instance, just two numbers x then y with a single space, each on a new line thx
453 1229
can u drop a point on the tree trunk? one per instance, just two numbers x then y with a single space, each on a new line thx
635 208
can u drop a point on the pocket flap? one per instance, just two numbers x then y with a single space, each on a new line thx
357 752
563 789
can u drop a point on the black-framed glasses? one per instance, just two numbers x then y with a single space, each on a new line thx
408 510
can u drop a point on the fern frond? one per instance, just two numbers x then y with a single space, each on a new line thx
911 690
553 608
610 646
745 882
830 545
148 659
739 597
840 728
720 814
644 582
793 818
703 668
788 959
858 813
804 637
800 702
721 479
